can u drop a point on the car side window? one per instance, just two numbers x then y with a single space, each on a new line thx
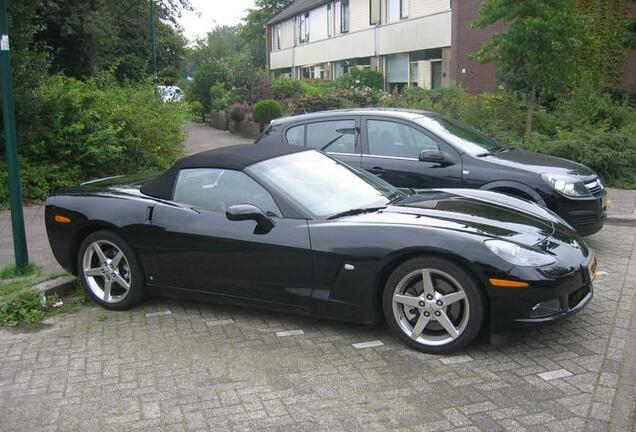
296 135
218 189
338 136
388 138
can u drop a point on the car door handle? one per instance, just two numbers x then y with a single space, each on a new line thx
377 170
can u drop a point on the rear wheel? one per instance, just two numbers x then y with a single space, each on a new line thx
433 305
109 271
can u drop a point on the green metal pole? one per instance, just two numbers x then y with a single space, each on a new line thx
153 37
10 142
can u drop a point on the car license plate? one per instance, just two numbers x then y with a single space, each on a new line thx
605 203
591 268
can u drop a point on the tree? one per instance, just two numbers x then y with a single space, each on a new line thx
220 43
87 37
540 46
252 33
204 79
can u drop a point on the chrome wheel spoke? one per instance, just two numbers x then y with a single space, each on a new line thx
407 300
445 322
100 253
419 326
115 261
427 282
449 299
93 272
121 281
107 286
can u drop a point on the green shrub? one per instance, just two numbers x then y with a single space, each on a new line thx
24 306
360 78
266 110
196 109
288 88
83 130
220 97
204 78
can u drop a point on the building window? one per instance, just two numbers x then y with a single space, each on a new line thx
397 70
330 26
276 36
374 12
436 74
303 28
397 10
413 74
344 16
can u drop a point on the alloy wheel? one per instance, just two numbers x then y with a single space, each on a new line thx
431 307
107 271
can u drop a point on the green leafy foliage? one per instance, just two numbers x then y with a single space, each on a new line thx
81 130
204 79
266 110
24 306
288 88
357 78
220 97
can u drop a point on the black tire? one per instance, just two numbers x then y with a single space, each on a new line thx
473 311
134 274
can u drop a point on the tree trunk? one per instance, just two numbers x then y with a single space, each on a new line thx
531 104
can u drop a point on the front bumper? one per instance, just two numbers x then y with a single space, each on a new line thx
543 302
587 216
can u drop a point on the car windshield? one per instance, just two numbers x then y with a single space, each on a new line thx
324 186
461 136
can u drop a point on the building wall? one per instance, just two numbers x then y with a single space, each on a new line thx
418 8
432 31
464 71
359 15
287 34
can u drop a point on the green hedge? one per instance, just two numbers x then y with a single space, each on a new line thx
83 130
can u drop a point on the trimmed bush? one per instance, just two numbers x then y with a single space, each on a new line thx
266 110
360 78
287 88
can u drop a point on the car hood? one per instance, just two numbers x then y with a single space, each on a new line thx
479 212
539 163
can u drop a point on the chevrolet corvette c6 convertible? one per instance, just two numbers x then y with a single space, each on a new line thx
292 229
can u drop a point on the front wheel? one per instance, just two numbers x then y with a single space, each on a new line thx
109 271
433 305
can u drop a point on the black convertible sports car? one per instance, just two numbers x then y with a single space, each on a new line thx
289 228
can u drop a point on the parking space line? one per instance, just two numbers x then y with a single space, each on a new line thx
153 314
456 359
289 333
370 344
220 322
555 374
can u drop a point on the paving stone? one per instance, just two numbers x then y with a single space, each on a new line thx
215 367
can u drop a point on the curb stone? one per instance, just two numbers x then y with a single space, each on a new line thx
60 285
621 220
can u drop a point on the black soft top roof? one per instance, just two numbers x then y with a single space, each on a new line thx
236 157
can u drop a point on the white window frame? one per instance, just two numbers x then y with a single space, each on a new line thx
345 18
302 27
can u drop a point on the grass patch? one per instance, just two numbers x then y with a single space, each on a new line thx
12 272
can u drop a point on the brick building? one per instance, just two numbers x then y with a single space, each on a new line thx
412 42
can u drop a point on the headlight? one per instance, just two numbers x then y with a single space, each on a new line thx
519 255
568 186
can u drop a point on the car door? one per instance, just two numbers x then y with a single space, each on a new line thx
338 136
201 250
391 149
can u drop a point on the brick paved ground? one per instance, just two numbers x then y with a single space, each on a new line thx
211 367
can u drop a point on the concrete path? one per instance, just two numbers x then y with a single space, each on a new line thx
200 138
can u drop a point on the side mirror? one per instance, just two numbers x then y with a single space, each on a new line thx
243 212
434 156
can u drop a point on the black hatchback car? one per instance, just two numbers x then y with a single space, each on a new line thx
418 149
